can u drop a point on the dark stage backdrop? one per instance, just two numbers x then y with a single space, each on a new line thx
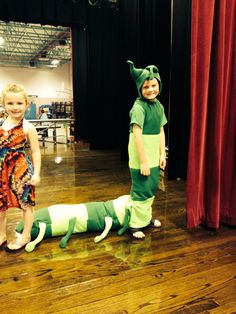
52 12
103 106
179 106
102 41
139 31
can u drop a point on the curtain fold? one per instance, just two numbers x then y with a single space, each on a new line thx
211 181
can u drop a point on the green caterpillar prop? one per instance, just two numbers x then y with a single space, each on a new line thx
65 220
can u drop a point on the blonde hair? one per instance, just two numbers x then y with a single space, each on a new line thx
14 88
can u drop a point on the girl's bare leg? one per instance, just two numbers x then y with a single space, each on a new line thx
28 217
24 238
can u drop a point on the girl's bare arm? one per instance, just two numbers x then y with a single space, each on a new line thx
162 149
35 152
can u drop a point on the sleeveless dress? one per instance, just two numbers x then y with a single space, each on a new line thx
16 170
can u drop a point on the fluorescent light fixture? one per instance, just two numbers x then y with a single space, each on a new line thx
55 62
51 66
43 59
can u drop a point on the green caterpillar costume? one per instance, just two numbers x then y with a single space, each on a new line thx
150 117
67 219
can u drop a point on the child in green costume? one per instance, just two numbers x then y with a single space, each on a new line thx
146 147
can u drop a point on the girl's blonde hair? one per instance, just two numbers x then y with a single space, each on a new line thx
14 88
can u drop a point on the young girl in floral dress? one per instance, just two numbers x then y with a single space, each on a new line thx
18 176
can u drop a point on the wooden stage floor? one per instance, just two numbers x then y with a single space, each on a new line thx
175 271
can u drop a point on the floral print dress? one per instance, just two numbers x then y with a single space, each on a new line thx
16 170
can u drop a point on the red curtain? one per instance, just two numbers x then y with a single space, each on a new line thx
211 179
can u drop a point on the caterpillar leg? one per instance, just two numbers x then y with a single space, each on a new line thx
31 245
108 225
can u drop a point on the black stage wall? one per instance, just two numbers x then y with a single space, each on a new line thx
52 12
102 40
139 31
179 106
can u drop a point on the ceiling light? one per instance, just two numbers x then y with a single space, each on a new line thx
43 59
55 62
51 66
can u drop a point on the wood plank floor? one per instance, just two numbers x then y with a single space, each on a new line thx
174 271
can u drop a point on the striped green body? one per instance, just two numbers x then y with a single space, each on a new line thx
89 217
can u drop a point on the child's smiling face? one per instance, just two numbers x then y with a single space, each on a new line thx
15 105
150 89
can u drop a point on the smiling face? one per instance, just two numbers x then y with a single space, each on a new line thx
150 89
15 105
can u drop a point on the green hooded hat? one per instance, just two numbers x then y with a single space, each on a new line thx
141 75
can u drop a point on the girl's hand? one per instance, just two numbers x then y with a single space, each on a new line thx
35 180
162 161
144 169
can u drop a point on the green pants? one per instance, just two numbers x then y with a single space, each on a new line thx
143 191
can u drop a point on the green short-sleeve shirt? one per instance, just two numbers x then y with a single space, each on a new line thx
150 116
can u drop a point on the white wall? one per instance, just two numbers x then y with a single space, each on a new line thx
47 84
